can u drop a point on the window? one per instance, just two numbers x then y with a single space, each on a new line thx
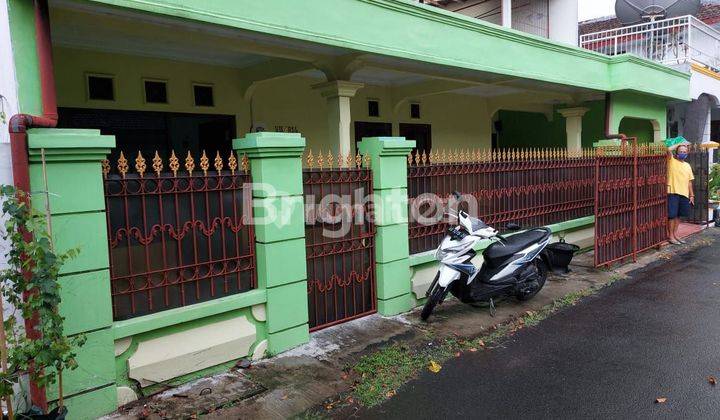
203 95
415 111
373 108
100 88
155 92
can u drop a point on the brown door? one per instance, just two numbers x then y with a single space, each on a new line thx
371 129
421 133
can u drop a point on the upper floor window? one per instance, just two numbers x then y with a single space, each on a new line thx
203 95
100 87
155 91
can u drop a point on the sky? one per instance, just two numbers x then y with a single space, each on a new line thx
591 9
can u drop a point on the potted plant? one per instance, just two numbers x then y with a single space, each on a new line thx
29 285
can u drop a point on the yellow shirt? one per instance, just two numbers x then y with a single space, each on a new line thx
679 176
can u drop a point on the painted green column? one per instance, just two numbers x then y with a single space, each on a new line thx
388 160
278 210
77 207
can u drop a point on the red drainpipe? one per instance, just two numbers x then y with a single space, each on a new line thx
19 124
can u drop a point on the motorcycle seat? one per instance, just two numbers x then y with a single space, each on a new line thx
498 252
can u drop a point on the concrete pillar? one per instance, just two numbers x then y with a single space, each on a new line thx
389 165
562 21
77 208
338 94
506 12
276 168
573 126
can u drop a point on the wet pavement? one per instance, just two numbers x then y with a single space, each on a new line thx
656 334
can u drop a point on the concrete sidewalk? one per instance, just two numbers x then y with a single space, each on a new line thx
306 377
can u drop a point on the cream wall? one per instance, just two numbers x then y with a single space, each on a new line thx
457 120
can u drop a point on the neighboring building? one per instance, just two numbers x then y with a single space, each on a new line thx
553 19
186 77
687 43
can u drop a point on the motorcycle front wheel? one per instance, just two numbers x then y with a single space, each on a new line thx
436 296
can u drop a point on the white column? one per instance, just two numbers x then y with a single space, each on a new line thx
338 94
562 21
573 126
506 9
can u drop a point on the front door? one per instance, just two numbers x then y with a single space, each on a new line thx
371 129
421 133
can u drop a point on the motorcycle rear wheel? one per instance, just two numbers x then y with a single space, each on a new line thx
542 272
436 296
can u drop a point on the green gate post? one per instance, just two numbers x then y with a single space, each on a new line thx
276 168
77 207
388 161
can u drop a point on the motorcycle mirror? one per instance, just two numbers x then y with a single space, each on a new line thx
513 226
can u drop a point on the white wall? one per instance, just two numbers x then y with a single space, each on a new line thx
564 21
8 90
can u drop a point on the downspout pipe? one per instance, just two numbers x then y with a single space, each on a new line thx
608 112
18 126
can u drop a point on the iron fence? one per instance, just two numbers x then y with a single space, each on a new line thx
533 187
177 236
699 160
339 238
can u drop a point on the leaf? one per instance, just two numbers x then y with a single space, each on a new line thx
473 349
660 400
481 343
390 393
434 367
712 380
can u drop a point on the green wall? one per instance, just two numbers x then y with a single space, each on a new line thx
530 129
634 127
593 128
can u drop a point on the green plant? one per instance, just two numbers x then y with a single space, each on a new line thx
714 182
29 284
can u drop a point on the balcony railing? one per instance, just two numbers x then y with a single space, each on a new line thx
684 39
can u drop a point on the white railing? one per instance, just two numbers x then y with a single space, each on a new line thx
679 40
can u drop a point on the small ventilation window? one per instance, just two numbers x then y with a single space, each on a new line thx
155 92
203 95
373 108
101 88
415 111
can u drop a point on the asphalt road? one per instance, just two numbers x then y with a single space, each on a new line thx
654 335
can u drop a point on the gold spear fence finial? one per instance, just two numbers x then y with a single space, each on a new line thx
122 164
157 164
232 163
244 163
105 167
140 165
218 163
174 163
329 158
310 159
358 160
320 160
189 163
204 163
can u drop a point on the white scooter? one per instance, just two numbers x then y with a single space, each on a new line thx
513 266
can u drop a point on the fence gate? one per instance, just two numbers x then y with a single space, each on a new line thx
630 201
340 242
699 160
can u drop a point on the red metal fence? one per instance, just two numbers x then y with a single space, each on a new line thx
340 239
177 236
530 187
630 201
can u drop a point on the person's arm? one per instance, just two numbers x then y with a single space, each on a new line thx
692 193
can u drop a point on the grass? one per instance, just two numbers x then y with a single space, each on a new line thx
381 373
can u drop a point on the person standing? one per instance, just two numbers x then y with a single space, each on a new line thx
680 190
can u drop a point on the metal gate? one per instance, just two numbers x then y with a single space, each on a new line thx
340 242
630 201
699 160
